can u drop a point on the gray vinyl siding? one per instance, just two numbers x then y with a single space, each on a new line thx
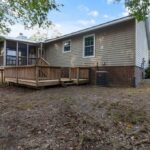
148 30
141 45
114 46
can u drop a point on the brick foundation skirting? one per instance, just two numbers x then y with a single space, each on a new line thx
127 76
119 75
139 75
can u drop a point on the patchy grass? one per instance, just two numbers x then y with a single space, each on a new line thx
75 118
127 114
25 106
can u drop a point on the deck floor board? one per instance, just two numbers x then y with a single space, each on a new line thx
44 82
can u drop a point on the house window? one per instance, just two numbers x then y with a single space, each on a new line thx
89 46
67 46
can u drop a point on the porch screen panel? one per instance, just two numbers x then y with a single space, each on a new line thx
11 48
32 55
1 53
22 54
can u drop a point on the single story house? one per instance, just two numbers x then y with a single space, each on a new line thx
119 47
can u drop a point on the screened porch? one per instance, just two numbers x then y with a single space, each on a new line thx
18 53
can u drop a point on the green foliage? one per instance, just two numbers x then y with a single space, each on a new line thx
27 12
140 9
147 73
35 12
38 36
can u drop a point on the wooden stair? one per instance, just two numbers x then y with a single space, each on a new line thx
67 83
41 61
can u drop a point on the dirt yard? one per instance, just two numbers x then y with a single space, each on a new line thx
75 118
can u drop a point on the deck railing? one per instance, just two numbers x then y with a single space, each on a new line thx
38 73
20 72
48 73
33 72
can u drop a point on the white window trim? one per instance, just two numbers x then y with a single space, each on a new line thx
64 47
84 37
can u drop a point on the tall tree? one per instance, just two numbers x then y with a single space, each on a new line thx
35 12
140 9
39 36
27 12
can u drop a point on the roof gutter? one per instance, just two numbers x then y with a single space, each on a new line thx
2 38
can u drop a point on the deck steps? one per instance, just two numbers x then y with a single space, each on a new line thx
67 83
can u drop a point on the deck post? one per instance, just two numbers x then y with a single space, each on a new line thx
70 73
1 76
88 74
36 75
60 75
17 75
78 75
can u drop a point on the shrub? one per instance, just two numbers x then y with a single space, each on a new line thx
147 73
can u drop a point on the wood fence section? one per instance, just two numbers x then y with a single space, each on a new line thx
72 73
79 72
49 73
79 75
10 72
84 73
27 73
21 72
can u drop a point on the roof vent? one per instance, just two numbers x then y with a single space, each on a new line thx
21 36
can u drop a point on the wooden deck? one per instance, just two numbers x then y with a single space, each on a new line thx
44 75
33 82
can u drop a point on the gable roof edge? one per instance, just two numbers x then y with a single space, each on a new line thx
110 23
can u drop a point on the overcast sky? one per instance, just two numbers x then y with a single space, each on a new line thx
76 15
